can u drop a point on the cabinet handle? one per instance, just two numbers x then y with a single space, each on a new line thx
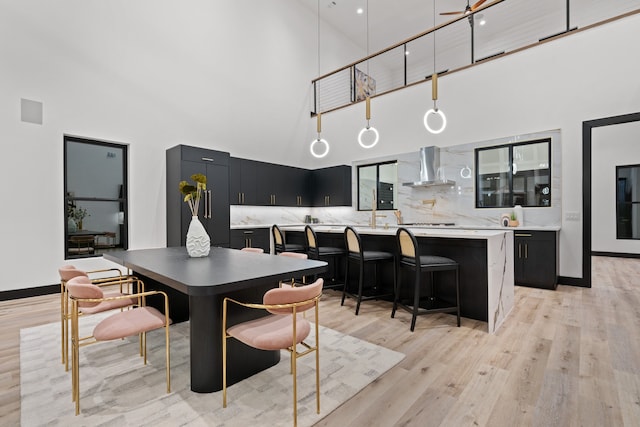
243 198
204 207
519 250
522 234
207 159
248 232
208 204
526 250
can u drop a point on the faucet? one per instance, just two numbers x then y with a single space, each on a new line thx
375 215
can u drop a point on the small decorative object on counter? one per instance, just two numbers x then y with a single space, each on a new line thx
504 219
198 241
517 209
513 221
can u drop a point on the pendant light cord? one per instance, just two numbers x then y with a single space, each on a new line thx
434 51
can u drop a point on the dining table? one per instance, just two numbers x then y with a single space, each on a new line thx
197 288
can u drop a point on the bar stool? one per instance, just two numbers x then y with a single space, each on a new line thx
410 257
356 254
330 254
279 244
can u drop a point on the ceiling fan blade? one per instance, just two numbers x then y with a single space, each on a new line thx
477 4
452 13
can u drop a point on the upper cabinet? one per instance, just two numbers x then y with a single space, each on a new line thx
332 186
243 181
267 184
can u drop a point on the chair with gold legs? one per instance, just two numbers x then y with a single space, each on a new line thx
283 329
121 324
105 277
298 255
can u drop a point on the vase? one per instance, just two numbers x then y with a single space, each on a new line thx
198 241
72 227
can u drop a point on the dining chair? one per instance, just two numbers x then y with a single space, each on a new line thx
280 244
356 254
410 258
81 245
282 329
137 321
255 250
332 254
104 277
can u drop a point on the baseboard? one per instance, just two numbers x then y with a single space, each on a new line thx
29 292
573 281
615 254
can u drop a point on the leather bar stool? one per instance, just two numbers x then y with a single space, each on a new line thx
280 245
333 255
410 258
356 254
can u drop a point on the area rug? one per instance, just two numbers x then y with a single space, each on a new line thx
118 390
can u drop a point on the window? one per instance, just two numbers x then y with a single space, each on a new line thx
381 178
95 197
628 202
514 174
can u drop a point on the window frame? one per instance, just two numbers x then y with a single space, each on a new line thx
379 206
510 174
122 200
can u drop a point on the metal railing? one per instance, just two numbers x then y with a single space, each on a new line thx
512 25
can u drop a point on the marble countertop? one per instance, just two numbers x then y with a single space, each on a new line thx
324 227
448 232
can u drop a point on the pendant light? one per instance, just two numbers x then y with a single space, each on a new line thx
368 129
317 144
434 87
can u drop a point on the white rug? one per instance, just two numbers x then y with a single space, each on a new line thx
116 389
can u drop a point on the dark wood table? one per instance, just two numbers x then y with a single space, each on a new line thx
203 283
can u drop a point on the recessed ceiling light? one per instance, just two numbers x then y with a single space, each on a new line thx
360 11
406 52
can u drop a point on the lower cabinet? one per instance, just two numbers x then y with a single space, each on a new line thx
536 258
251 238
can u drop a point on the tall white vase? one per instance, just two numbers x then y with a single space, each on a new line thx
198 241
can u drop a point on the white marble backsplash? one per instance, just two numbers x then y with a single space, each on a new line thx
452 203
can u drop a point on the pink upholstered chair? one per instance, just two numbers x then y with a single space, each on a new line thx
256 250
283 329
105 277
293 279
84 296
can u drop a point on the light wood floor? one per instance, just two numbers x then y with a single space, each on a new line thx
569 357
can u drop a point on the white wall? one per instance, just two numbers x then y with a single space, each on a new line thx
235 75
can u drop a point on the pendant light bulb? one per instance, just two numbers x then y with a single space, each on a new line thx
368 129
316 143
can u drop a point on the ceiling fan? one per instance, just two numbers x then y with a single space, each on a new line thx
467 10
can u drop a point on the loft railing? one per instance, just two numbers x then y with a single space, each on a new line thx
511 26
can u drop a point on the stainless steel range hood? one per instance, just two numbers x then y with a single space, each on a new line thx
430 173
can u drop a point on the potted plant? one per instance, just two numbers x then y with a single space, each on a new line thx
513 221
76 215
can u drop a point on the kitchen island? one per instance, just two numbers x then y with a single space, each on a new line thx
485 258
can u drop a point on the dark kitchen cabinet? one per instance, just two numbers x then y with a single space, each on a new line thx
251 238
268 184
536 258
182 162
331 186
242 181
